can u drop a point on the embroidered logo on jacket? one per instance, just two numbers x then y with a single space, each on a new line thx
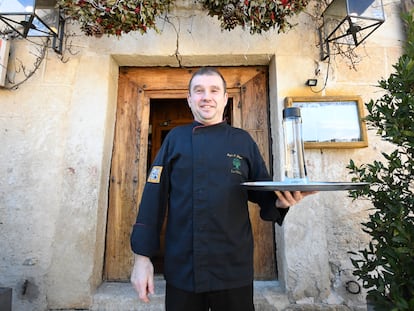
236 163
155 175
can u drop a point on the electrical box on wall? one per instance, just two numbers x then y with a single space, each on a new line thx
6 299
4 58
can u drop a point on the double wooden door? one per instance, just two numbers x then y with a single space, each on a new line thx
150 102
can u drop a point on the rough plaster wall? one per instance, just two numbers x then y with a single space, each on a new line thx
57 129
52 174
84 172
32 146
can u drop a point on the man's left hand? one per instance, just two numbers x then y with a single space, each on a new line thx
286 199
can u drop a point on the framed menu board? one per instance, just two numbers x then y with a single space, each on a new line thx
331 121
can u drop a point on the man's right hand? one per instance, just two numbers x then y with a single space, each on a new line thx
142 277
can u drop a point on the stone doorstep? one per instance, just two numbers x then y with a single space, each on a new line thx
113 296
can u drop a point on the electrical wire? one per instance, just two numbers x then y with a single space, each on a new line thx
326 78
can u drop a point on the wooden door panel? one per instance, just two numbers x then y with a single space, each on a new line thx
123 184
248 88
255 121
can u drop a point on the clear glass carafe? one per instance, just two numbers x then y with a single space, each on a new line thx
295 168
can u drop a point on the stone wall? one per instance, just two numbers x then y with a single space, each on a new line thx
56 133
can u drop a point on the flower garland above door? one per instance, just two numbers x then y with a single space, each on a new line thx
117 17
255 15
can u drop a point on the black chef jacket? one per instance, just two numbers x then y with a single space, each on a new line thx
197 174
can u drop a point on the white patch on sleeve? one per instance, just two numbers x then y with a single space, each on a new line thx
155 175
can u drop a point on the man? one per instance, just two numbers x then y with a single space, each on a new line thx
197 174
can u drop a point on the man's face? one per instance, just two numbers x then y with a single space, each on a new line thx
207 99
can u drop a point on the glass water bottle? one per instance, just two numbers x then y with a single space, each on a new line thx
295 169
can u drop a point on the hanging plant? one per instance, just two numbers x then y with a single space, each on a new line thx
255 15
114 17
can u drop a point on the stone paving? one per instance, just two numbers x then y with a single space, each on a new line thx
269 296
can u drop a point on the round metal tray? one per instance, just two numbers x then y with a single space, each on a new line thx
309 186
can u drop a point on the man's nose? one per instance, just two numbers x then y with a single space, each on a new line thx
206 95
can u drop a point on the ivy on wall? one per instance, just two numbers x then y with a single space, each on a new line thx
117 17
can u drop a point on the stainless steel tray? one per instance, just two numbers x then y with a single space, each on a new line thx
309 186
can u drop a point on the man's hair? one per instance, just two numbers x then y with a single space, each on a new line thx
208 71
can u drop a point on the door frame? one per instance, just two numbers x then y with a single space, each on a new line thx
137 86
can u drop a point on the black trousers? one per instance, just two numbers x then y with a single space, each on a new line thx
235 299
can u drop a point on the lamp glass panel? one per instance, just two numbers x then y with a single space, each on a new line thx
367 9
334 18
42 18
17 6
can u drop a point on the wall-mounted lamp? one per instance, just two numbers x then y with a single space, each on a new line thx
312 82
34 18
349 22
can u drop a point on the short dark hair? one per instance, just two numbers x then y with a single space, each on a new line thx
209 71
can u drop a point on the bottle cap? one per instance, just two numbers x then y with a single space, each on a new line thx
291 112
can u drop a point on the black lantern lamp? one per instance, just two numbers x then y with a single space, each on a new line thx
349 22
34 18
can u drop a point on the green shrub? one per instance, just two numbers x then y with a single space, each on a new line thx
386 265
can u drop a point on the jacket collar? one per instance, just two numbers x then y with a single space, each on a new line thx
197 124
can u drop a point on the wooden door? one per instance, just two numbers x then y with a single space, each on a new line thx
255 119
247 87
